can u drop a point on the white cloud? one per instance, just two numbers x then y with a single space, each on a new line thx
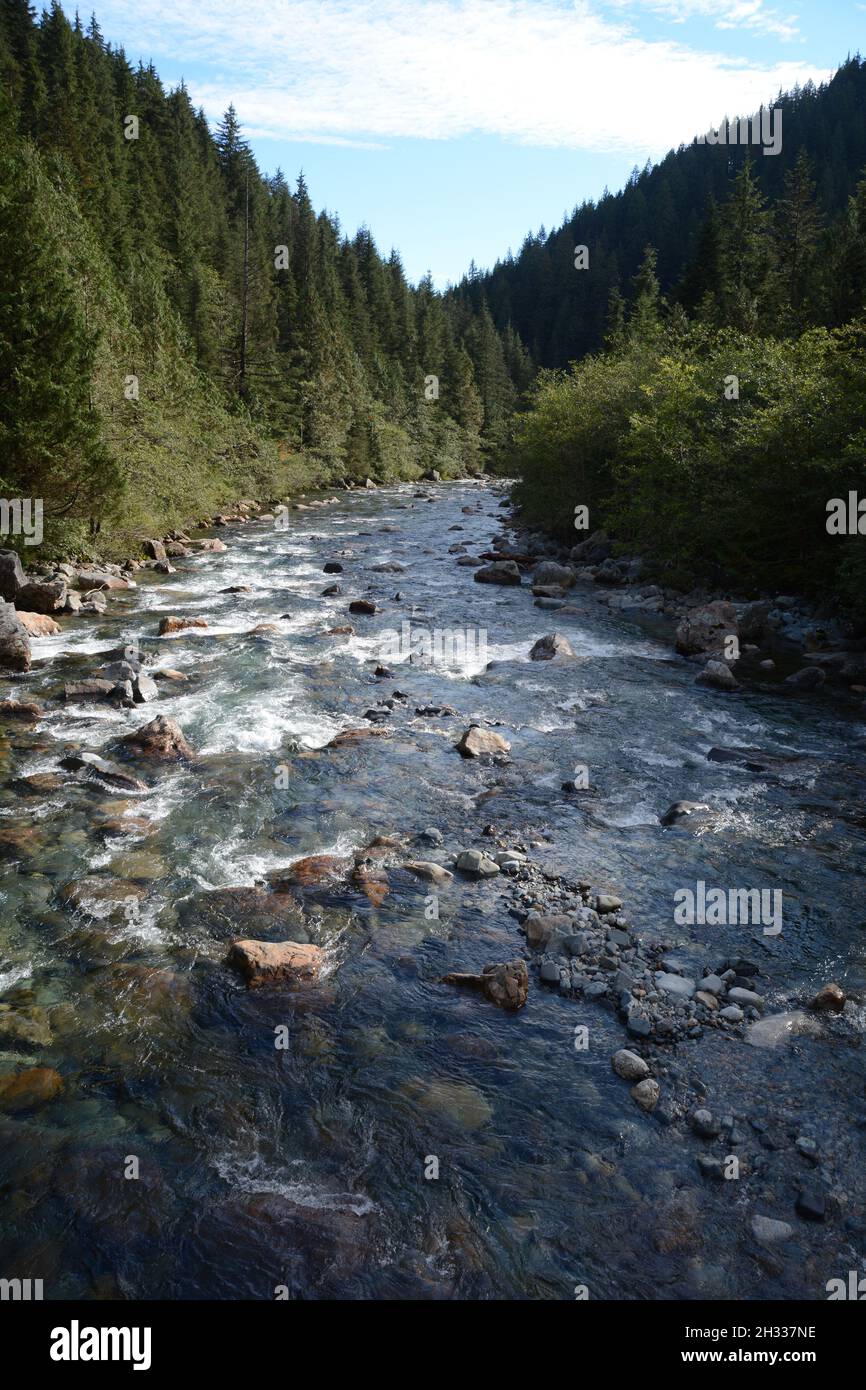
538 72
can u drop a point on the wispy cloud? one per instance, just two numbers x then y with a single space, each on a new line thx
752 16
538 72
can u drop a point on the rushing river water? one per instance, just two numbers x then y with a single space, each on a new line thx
308 1167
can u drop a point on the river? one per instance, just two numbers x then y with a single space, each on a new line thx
410 1140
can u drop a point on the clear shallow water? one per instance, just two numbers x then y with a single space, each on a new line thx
304 1168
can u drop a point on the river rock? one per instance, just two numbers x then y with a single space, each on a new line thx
810 678
14 641
424 868
629 1065
745 998
88 579
12 577
362 605
500 572
646 1093
717 675
281 962
705 628
25 1089
677 985
680 811
169 625
42 596
27 1026
476 742
829 999
550 573
39 624
767 1231
94 689
475 861
310 871
506 985
155 550
20 711
161 740
552 647
213 546
95 766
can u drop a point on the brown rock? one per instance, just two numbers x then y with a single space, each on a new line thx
281 962
22 711
42 596
477 741
829 999
38 624
347 737
168 625
506 985
161 740
316 868
262 628
362 605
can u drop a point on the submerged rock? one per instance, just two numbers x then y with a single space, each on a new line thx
506 985
26 1089
281 962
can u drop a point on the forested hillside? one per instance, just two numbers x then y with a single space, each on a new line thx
562 313
178 330
717 403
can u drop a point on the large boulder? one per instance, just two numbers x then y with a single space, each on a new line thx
11 575
704 629
39 624
275 962
549 572
42 596
552 647
477 741
161 740
14 642
594 550
500 572
87 579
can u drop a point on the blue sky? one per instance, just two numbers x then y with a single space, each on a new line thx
452 127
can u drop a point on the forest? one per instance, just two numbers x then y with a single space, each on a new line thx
704 396
178 331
